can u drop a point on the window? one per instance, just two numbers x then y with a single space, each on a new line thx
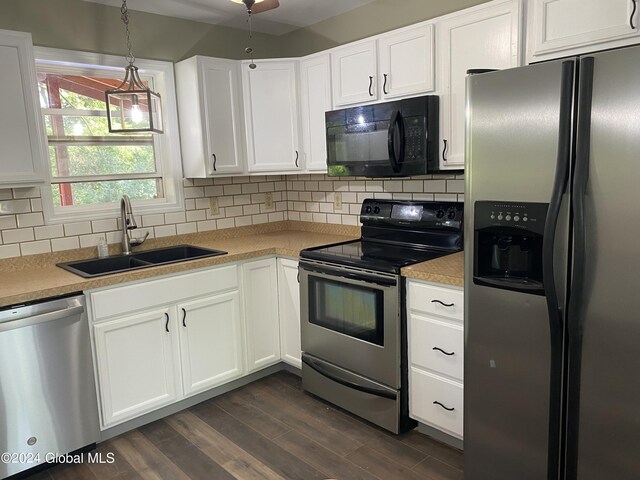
91 168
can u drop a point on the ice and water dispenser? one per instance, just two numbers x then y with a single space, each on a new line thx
508 245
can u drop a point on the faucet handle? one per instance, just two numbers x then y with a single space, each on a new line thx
138 241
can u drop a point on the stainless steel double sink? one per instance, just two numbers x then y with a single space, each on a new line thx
96 267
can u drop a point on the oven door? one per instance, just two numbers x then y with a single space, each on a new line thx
351 318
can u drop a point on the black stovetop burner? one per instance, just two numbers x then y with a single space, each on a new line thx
396 234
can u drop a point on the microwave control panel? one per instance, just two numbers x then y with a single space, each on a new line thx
414 138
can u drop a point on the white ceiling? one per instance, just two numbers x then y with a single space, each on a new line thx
290 15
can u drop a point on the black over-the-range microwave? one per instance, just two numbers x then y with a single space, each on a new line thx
391 139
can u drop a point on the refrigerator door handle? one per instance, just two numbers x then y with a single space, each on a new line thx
550 290
576 302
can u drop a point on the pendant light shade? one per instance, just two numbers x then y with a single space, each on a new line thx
133 107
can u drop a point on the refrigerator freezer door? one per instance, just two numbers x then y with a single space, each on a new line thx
512 149
607 299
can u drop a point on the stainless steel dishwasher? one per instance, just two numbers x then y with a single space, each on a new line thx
48 403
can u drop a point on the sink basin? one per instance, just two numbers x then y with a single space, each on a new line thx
125 263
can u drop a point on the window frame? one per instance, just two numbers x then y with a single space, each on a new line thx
167 151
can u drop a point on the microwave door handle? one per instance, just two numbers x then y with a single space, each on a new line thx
396 122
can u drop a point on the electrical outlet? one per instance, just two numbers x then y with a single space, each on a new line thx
268 200
337 201
214 207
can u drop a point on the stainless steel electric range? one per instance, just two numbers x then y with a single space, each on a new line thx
352 306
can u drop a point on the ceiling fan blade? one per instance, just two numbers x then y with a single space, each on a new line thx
264 6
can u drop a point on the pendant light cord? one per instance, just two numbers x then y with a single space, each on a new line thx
125 19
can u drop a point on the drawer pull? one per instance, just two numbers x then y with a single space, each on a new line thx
441 350
442 303
446 408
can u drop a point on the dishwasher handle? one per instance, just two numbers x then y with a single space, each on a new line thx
41 318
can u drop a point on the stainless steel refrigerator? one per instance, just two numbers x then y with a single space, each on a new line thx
552 271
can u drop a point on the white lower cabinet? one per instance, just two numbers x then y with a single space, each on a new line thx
260 298
289 306
136 362
210 342
163 340
160 341
436 356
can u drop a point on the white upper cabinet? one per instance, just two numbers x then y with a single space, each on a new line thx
396 64
406 61
483 37
354 71
315 100
209 106
558 28
24 146
271 116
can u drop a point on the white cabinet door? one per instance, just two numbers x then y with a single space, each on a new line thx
23 155
559 27
210 342
137 364
406 62
354 73
271 116
262 327
209 98
289 303
315 100
484 37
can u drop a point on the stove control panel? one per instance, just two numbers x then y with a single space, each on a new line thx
447 215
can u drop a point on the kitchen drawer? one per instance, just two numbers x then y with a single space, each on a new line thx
425 389
427 336
433 300
147 294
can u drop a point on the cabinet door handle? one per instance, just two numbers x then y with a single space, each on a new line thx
384 86
166 325
441 350
443 406
633 12
184 317
370 85
215 160
444 150
297 156
442 303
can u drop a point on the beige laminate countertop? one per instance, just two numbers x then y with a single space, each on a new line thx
448 270
37 277
27 279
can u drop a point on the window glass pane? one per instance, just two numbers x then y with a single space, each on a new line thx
73 160
88 193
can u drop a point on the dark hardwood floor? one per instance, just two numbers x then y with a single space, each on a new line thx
269 430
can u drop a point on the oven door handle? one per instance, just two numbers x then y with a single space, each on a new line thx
347 383
362 277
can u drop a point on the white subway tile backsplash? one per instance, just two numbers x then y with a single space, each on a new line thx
91 240
50 231
80 228
8 251
241 201
7 222
107 225
152 220
18 235
68 243
33 248
175 217
226 223
8 207
165 231
30 219
184 228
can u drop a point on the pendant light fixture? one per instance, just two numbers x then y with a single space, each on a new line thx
132 106
249 50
